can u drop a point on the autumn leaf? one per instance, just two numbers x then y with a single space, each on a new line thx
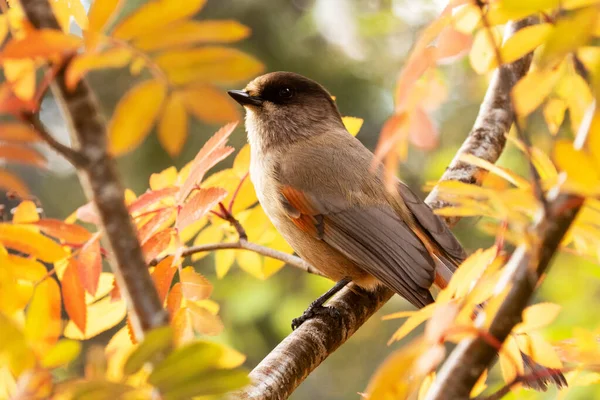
352 124
70 233
154 15
163 276
172 125
192 32
19 133
524 41
82 64
198 205
152 197
209 104
532 89
74 296
203 321
208 64
42 323
102 315
25 212
12 183
23 239
452 44
23 155
193 285
42 43
89 265
100 13
157 244
483 54
134 116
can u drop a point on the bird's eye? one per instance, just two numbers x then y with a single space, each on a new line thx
286 93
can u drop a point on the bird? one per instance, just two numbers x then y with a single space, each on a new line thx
316 184
325 194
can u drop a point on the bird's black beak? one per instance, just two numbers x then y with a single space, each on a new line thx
244 98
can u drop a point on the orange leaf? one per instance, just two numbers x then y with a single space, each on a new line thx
100 12
69 233
42 322
208 64
156 14
172 126
191 32
23 155
196 207
416 66
393 131
134 116
115 292
89 266
209 104
204 321
151 197
193 285
163 276
41 43
213 151
422 132
157 244
182 326
174 299
26 268
10 182
23 239
155 223
82 64
20 73
25 212
16 132
74 295
452 43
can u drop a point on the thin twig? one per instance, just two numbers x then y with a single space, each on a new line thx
503 391
77 159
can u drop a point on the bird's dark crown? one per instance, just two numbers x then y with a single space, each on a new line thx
286 88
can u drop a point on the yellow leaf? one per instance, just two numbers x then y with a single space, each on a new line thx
191 32
172 126
82 64
134 116
156 14
23 239
203 321
352 124
3 27
210 234
14 351
542 163
569 33
413 321
542 352
209 64
532 89
117 352
583 175
466 18
65 9
538 316
502 172
554 114
101 316
230 358
100 12
524 41
25 212
61 353
511 362
482 55
209 104
223 261
576 92
163 179
395 377
241 164
194 286
21 75
250 262
43 324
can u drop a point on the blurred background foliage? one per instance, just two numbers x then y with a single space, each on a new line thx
356 49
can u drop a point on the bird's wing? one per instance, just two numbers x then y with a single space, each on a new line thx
373 237
434 227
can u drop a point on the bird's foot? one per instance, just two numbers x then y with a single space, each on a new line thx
313 311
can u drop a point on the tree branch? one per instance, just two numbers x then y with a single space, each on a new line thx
472 356
99 177
282 370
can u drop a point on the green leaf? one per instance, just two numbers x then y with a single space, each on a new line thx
184 364
99 390
210 383
156 343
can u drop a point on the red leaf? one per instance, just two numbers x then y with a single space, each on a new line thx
200 203
21 154
69 233
89 266
452 43
74 296
115 293
413 70
154 224
41 43
422 132
213 151
157 243
174 299
11 104
194 286
151 197
163 276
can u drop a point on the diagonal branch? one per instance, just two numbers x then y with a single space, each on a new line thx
99 177
282 370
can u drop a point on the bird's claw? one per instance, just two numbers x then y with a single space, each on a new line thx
314 311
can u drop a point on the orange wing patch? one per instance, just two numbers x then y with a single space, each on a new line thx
302 213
